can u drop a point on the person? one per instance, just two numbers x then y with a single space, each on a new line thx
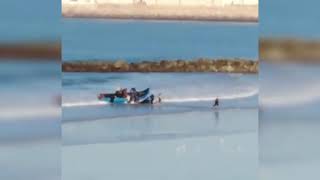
133 95
121 93
118 92
216 102
151 99
124 93
159 98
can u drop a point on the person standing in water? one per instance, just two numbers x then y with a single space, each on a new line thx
216 102
133 95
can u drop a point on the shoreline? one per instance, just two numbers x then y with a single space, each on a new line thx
233 13
198 65
199 19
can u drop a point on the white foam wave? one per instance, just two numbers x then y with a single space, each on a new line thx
90 103
9 113
300 96
173 100
211 98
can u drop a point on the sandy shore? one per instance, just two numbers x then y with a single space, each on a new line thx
199 65
200 13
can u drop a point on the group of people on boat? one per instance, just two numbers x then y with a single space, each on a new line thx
132 97
132 94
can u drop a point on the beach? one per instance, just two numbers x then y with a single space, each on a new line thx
237 13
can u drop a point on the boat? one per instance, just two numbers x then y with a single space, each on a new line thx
123 97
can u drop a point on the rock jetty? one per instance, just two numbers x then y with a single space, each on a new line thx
289 50
199 65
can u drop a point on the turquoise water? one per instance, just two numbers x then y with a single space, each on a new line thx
88 39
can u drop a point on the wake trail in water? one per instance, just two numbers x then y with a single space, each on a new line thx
85 103
173 100
302 95
211 98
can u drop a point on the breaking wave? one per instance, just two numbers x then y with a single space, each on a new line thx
300 96
173 99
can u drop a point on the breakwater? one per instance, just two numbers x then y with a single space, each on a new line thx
199 65
289 50
31 50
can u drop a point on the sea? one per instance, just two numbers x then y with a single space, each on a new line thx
289 121
30 119
137 40
30 112
184 137
289 96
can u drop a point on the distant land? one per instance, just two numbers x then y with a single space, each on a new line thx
202 12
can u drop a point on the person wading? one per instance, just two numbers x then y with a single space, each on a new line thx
133 95
216 102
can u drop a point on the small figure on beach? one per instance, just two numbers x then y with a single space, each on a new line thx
216 102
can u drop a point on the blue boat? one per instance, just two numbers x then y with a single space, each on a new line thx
122 97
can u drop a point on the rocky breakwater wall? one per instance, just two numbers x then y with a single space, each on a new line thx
200 65
289 50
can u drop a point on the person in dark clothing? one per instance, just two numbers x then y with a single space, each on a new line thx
216 102
151 99
121 93
133 95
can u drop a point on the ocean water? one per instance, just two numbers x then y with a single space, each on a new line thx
35 20
30 117
81 89
133 40
193 145
289 121
182 138
289 97
289 18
